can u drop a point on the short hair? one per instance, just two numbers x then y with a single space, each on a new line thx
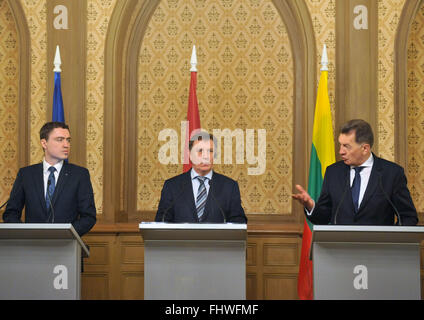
201 136
362 129
48 127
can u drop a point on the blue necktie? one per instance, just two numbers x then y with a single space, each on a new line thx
356 187
201 197
51 184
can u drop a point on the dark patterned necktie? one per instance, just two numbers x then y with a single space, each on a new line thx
51 184
356 187
201 197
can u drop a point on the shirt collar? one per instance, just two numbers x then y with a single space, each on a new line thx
194 174
47 165
368 163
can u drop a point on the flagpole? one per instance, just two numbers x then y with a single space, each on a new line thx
57 61
58 113
322 155
193 117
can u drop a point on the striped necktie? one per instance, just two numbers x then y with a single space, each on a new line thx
51 184
201 197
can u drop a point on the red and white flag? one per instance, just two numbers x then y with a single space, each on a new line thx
193 117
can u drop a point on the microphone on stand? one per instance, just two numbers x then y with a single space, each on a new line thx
341 200
380 180
4 203
183 189
217 203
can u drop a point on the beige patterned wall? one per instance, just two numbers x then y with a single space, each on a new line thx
36 15
9 92
323 16
415 73
98 16
389 12
245 80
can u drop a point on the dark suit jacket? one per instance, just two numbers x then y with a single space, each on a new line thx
177 201
73 199
375 209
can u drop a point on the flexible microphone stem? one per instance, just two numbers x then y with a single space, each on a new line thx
183 188
388 199
217 203
4 204
341 200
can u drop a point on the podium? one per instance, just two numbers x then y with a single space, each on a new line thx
40 261
366 262
194 261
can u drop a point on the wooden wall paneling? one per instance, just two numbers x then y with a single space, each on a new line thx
272 264
97 278
422 269
132 266
115 269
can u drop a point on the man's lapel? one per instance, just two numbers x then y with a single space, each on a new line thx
38 179
189 196
61 181
372 183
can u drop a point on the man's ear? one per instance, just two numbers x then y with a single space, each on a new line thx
43 143
367 147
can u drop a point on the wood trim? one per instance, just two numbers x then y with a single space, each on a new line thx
253 229
24 126
112 150
297 19
401 81
123 40
356 66
73 52
401 85
135 40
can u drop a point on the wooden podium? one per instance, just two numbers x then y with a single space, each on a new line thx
194 261
40 261
366 262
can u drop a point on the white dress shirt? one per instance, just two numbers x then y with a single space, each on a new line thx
46 173
365 177
196 183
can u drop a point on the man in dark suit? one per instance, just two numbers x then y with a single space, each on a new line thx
201 194
361 189
53 191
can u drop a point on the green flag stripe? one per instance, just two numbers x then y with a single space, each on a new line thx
315 178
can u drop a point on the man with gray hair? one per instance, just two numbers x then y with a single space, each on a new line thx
361 189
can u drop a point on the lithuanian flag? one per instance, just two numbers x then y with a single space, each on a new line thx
322 155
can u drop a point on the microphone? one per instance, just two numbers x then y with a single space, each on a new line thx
217 203
341 200
50 200
173 201
4 203
380 180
